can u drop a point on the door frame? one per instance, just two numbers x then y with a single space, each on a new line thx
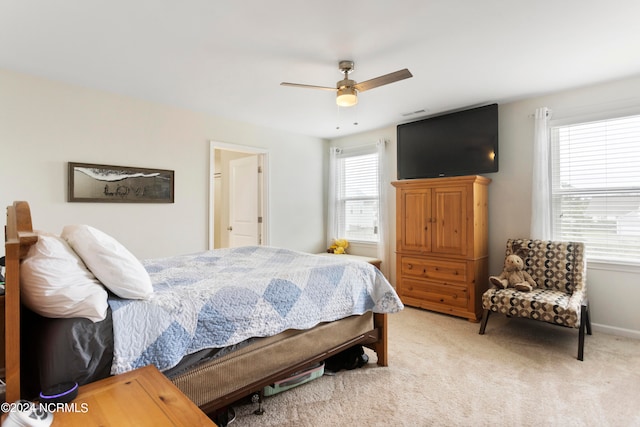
263 155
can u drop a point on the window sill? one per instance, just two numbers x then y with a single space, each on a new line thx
362 243
363 248
613 266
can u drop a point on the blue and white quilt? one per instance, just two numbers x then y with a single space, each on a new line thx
218 298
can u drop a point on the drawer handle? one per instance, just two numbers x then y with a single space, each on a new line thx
410 266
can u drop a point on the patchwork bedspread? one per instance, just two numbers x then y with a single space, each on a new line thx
218 298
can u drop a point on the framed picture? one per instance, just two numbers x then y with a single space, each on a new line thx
119 184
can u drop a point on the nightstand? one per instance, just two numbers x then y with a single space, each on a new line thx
143 397
2 338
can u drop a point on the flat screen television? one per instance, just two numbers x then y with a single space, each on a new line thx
460 143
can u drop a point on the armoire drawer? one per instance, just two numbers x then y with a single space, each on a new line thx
453 271
441 293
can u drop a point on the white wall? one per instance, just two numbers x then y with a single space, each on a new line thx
45 124
614 294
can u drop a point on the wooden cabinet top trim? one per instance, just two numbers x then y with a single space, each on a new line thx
442 181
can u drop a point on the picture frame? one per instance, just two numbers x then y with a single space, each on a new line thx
89 182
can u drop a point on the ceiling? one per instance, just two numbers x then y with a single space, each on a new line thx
227 58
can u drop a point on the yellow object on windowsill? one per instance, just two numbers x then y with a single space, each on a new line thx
339 246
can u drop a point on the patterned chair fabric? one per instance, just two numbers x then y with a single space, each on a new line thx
560 298
558 268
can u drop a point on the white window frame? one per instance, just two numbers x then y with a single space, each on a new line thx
341 199
596 251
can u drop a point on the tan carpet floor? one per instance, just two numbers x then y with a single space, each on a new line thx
443 373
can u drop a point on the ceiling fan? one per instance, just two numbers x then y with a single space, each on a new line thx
347 90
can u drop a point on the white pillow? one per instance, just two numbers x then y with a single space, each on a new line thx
55 282
116 267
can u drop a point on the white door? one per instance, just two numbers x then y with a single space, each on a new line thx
243 202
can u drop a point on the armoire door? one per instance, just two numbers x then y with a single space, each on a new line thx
449 233
414 234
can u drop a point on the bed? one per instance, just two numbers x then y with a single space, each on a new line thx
213 368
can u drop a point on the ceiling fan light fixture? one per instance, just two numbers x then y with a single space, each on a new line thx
347 89
347 97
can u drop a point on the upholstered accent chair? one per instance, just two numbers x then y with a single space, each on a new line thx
560 298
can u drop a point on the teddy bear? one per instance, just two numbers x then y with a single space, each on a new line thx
513 275
339 246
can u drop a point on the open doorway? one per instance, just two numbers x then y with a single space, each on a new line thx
238 196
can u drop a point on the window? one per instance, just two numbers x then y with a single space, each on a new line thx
596 187
357 199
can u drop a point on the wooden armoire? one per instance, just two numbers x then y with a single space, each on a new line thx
442 244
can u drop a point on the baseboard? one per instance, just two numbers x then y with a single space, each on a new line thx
612 330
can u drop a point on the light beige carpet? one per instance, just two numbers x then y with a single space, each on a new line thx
443 373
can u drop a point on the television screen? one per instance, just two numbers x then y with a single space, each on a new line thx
454 144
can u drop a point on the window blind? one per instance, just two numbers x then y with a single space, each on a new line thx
358 198
595 169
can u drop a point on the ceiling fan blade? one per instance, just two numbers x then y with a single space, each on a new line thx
333 89
383 80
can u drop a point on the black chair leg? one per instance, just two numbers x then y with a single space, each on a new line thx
483 324
584 321
588 318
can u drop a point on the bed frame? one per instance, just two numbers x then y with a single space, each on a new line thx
216 384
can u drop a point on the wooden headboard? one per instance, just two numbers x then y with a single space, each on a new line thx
19 237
